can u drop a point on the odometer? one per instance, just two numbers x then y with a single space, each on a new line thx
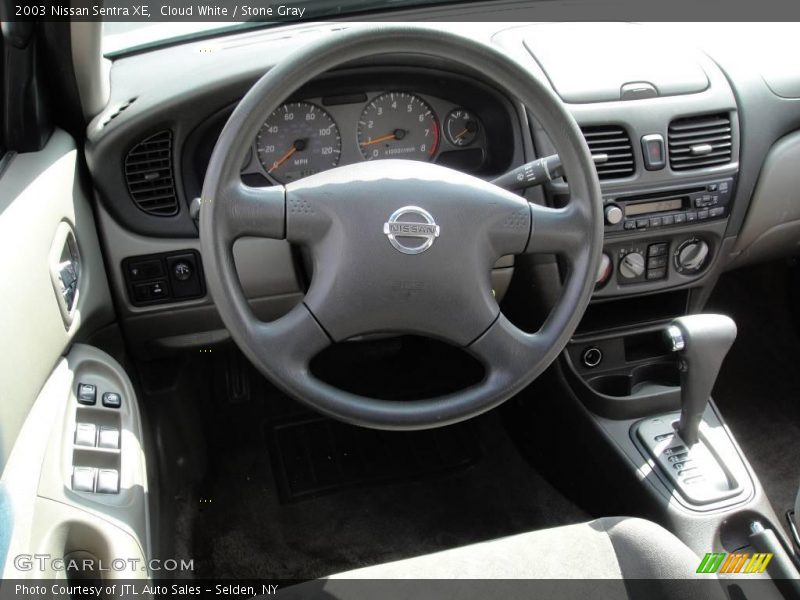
298 140
398 125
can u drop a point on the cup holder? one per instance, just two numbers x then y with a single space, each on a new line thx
642 379
612 385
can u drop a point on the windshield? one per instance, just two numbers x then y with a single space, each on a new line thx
162 27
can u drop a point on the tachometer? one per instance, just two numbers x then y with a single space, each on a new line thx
298 140
398 125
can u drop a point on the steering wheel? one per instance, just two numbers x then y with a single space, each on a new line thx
397 245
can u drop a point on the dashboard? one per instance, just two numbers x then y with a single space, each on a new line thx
368 114
682 140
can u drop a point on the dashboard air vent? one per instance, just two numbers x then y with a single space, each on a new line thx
148 172
610 146
702 141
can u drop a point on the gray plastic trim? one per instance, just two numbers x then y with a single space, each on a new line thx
91 69
587 62
772 225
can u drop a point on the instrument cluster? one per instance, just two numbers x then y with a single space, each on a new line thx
301 138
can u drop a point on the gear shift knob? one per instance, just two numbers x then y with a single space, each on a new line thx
702 342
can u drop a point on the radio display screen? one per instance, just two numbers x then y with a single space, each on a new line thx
653 207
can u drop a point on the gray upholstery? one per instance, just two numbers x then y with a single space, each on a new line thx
583 550
606 558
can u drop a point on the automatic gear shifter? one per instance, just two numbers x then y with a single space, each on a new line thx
702 342
697 457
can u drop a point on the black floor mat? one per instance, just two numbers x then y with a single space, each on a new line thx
318 455
243 528
758 388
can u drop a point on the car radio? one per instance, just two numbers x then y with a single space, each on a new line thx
665 208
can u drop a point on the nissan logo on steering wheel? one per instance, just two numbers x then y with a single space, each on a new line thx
417 225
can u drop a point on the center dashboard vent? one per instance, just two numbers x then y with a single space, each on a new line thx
701 141
149 175
610 146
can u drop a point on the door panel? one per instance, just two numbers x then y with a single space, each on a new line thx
53 293
40 199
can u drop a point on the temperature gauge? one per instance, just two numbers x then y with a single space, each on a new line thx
461 127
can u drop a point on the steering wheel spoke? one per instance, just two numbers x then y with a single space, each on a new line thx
506 351
558 230
252 211
290 342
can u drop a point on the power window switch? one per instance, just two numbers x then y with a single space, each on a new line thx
112 400
83 479
87 393
109 438
108 481
85 434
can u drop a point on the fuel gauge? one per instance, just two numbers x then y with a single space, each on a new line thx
461 127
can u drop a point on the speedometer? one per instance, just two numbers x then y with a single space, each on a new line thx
297 140
398 125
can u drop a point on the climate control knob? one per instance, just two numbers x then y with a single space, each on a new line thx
604 271
691 256
613 214
632 265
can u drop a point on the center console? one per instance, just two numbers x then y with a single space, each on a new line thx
663 131
678 232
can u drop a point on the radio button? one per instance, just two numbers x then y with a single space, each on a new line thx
712 187
703 201
702 214
680 218
691 216
668 220
613 214
642 223
655 221
716 212
630 224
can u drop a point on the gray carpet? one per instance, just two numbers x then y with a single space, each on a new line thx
245 531
758 390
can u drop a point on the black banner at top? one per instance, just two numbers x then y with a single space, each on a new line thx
237 11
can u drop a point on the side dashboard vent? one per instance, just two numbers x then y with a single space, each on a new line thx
610 146
702 141
149 174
